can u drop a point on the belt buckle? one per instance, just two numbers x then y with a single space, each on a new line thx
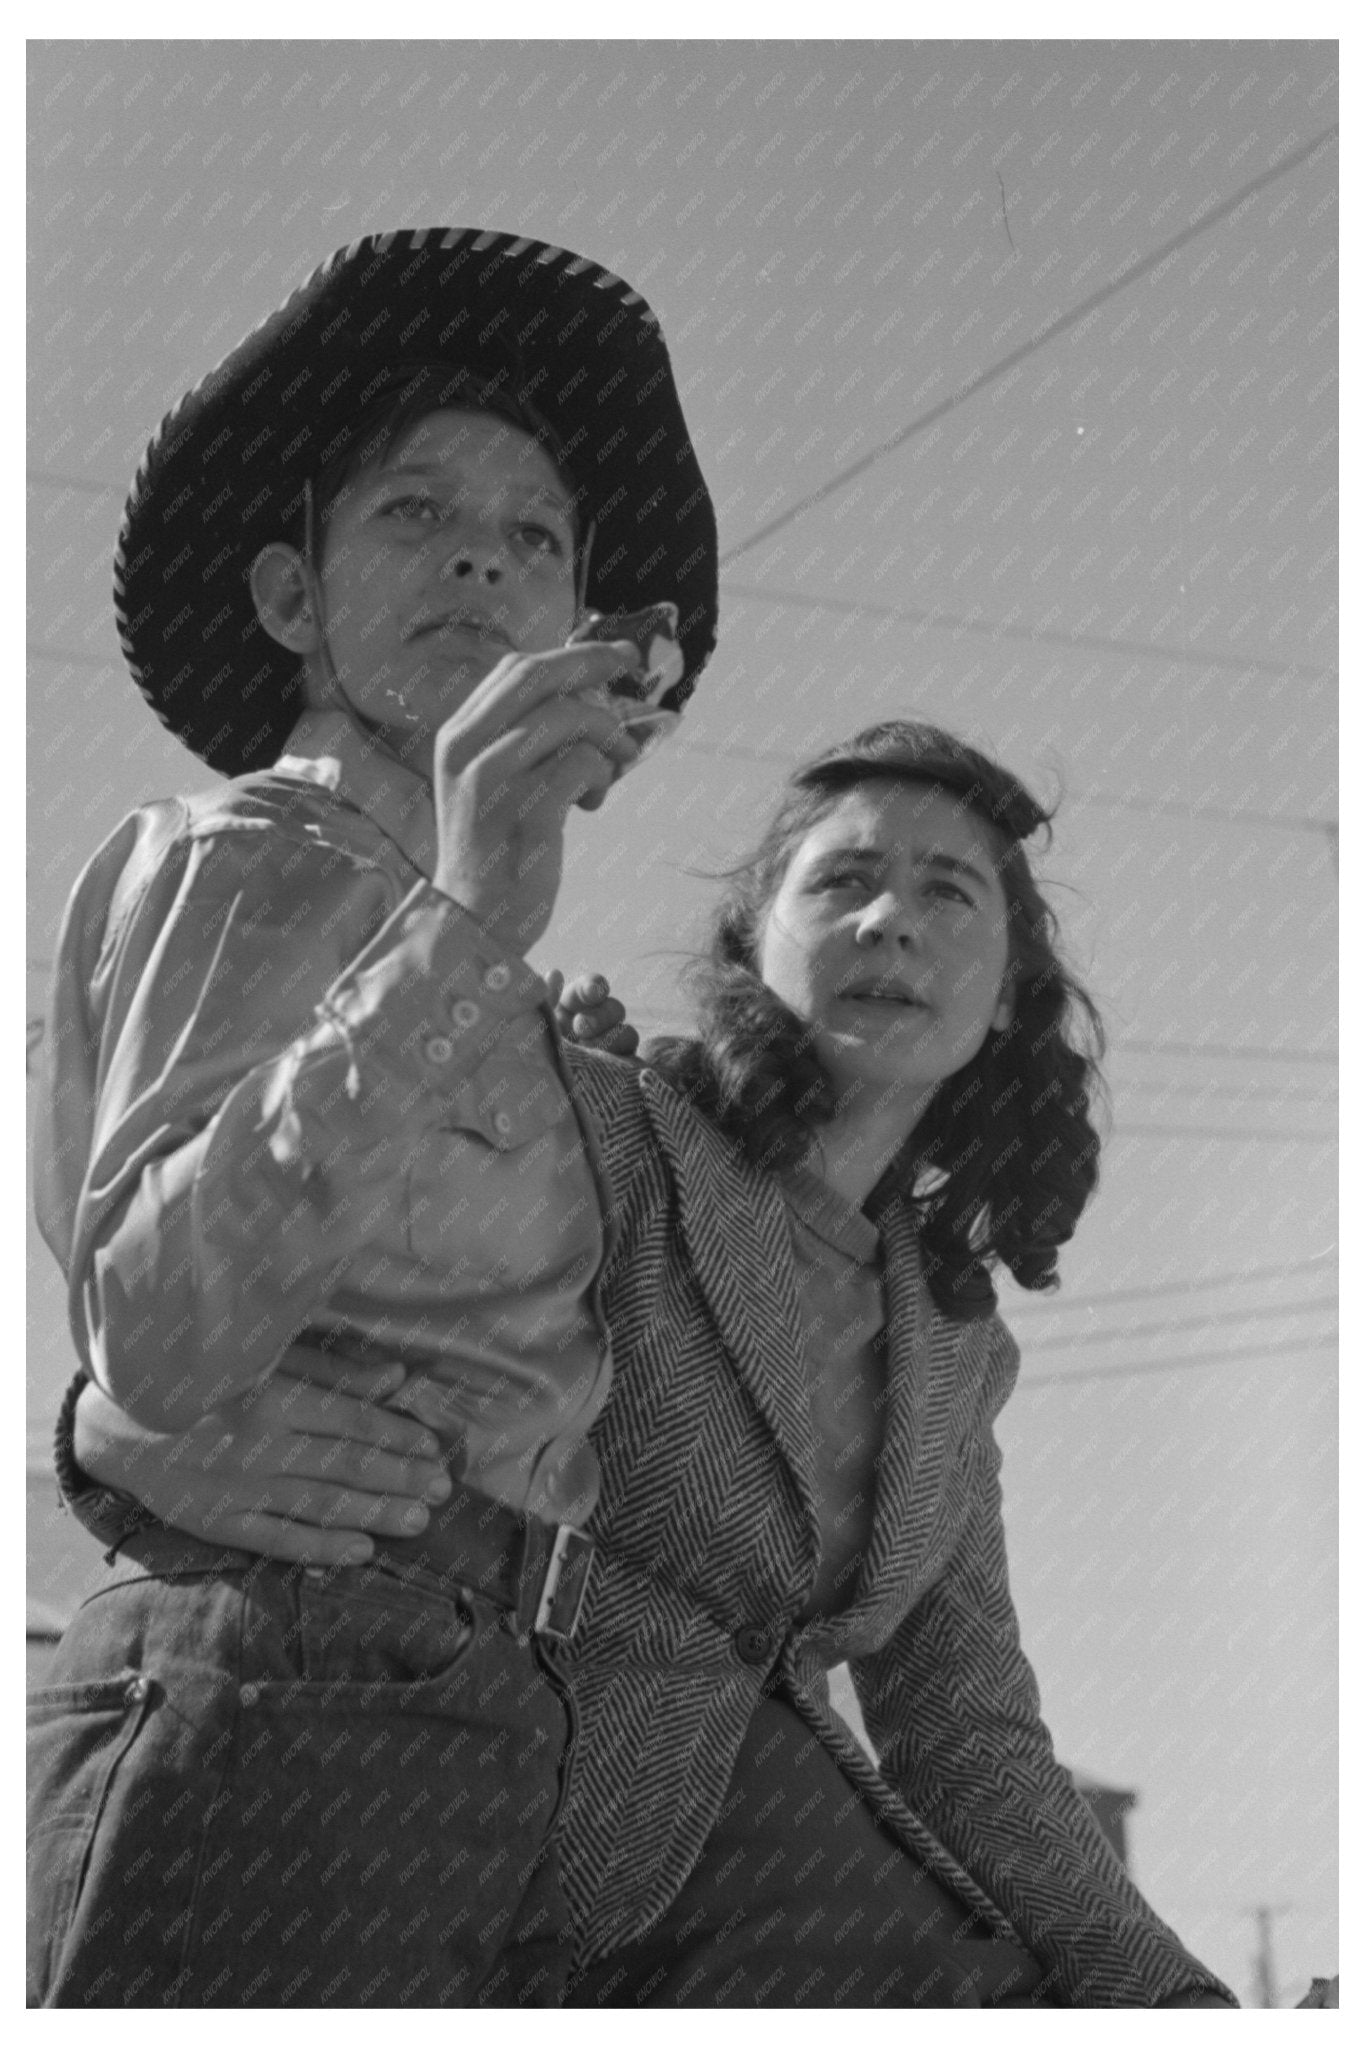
565 1584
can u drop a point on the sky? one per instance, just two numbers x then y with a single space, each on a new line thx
1012 370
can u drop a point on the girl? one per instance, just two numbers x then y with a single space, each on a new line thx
888 1094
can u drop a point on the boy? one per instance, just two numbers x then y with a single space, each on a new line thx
288 1050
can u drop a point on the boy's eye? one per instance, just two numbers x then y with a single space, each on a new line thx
541 537
411 506
842 878
951 892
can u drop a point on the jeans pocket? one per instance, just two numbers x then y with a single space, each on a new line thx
78 1735
359 1640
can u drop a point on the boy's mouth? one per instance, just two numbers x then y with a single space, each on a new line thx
470 619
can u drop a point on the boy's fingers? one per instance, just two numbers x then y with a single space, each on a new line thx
554 982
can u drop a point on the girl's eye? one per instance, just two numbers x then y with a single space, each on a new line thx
842 878
950 892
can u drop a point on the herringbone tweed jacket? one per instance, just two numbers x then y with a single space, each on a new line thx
708 1521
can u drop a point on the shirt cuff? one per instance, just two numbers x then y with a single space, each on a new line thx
426 1002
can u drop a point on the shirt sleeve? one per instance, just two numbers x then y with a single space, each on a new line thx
247 1045
953 1707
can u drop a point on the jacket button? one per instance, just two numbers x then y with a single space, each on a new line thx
136 1690
753 1644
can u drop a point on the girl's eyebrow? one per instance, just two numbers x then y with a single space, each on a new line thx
950 862
955 866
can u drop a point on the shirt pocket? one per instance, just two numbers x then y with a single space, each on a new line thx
478 1186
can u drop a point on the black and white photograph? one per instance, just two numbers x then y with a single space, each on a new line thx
681 1054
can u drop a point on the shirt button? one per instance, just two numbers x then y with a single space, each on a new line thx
136 1690
439 1051
249 1694
464 1014
753 1644
502 1123
498 977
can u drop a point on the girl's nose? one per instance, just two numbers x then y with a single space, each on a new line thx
888 918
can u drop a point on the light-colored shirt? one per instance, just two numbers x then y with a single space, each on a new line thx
291 1086
837 1253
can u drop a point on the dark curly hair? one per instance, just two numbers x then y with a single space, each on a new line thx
1005 1157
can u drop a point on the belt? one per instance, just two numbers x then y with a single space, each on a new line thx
537 1573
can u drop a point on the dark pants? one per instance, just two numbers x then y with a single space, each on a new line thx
800 1899
270 1787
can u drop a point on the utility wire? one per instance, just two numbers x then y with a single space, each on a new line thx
1244 1276
1175 1048
1077 1339
1188 1362
1004 629
1183 1048
1256 1091
1142 267
1100 800
1226 1132
92 488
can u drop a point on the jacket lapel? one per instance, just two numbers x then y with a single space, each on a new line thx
923 1370
734 1227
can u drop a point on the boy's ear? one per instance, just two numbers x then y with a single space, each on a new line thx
281 590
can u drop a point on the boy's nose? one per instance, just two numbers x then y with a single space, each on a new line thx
470 563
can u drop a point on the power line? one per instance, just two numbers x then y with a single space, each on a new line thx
1239 1091
1224 814
1243 1276
1226 1133
1141 267
1098 799
52 479
1005 629
1209 1049
1175 1048
1189 1362
1077 1339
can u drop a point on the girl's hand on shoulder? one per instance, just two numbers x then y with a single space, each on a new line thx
587 1012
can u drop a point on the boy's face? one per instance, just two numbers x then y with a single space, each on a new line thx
451 552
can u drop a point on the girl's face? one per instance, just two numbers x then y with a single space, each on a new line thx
888 935
453 551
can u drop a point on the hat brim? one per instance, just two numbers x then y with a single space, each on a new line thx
225 473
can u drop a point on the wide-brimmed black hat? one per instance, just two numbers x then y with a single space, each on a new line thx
225 473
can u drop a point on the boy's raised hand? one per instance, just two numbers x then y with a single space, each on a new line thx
588 1012
527 745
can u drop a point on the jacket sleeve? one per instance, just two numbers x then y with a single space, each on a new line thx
953 1707
249 1035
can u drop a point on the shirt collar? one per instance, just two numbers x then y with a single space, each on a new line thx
326 748
835 1221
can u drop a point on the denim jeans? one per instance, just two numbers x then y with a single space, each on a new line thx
259 1785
